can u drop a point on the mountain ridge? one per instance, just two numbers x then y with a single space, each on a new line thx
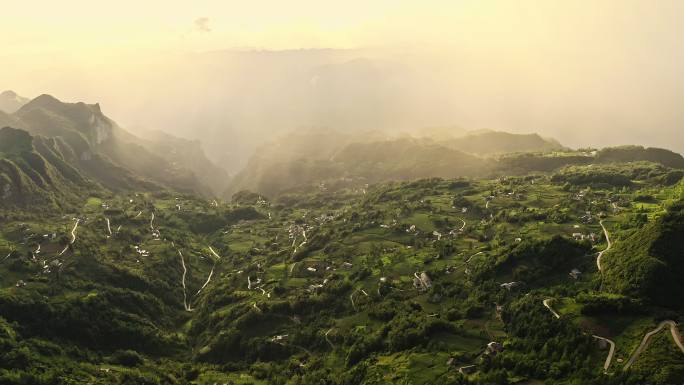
11 102
336 160
105 151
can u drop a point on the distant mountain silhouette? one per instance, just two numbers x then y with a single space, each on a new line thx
10 101
305 159
112 156
302 160
639 153
497 142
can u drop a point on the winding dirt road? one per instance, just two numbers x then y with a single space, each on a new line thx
73 237
647 339
185 296
211 273
351 296
600 254
328 339
73 232
547 304
213 252
611 352
471 257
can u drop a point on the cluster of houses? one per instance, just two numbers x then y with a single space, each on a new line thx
313 288
413 230
510 285
586 218
252 284
48 267
575 273
141 251
261 202
493 348
295 231
580 237
279 337
324 218
422 282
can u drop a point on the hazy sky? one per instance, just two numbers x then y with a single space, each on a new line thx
523 26
588 72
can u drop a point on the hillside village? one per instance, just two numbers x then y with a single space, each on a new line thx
425 279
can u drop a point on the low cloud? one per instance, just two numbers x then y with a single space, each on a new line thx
202 24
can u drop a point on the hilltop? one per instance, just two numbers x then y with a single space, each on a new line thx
497 142
103 151
10 101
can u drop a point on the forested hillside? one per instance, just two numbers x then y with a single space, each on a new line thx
34 171
649 263
429 281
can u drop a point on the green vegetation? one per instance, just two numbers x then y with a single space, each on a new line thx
424 281
638 153
649 263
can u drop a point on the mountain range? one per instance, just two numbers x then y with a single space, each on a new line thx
10 101
313 159
99 149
